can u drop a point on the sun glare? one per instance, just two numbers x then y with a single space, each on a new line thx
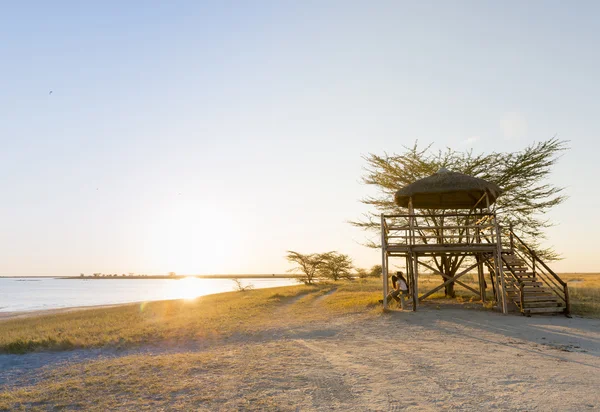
188 288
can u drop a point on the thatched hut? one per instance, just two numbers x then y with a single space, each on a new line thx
448 190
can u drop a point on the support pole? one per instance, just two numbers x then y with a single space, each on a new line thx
409 281
499 265
414 290
481 276
384 261
413 264
416 265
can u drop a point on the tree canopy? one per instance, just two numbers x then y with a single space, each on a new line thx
312 266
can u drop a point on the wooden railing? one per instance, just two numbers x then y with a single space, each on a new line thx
515 282
439 229
540 269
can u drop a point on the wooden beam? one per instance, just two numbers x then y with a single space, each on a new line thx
448 277
464 272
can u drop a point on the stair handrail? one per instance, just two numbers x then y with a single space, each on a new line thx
537 259
519 282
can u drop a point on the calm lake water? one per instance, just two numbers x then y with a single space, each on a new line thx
24 294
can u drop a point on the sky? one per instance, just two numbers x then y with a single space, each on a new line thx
210 137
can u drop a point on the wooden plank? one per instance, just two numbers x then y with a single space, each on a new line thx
541 305
485 214
545 310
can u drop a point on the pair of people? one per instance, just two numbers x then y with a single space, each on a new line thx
399 290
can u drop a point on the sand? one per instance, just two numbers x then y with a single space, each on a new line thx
435 359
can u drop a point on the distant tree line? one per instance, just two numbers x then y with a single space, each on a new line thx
329 265
113 275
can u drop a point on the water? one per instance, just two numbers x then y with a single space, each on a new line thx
26 294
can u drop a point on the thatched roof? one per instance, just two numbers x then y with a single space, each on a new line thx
447 190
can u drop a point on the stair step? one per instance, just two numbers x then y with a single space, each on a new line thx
545 310
541 305
529 290
546 299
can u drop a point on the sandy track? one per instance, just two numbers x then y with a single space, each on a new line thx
456 359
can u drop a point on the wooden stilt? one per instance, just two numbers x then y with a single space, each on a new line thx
481 277
502 290
384 261
416 266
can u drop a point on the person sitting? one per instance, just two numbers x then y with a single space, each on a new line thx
400 289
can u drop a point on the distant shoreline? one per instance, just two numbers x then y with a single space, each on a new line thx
263 276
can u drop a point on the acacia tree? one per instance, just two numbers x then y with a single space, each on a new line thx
307 264
336 266
376 271
523 177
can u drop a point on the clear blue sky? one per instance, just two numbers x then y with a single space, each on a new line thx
177 129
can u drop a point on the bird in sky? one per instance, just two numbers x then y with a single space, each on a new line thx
50 92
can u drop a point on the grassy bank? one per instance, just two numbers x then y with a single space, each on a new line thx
226 314
198 320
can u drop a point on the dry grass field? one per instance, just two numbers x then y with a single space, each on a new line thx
325 347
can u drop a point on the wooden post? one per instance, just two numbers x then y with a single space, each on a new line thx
499 265
511 238
384 261
567 301
414 290
416 266
481 277
409 281
413 265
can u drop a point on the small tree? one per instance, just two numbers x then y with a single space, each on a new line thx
239 287
361 273
376 271
308 265
335 266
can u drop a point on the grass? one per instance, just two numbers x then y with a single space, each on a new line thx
226 378
202 319
584 293
217 316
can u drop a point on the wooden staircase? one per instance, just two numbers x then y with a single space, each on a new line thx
527 289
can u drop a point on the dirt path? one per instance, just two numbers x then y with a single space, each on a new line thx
456 359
